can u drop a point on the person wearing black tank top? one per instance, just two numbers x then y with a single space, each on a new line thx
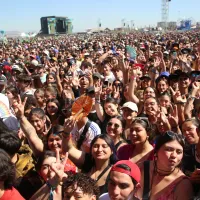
114 129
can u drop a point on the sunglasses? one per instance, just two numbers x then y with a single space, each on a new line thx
116 126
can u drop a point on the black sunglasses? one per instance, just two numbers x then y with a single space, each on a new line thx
116 126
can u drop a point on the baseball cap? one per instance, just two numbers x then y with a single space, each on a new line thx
146 76
97 75
134 173
90 90
184 74
46 52
3 80
131 106
34 63
164 74
54 58
17 68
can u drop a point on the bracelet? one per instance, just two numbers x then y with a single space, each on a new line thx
180 103
192 98
66 135
97 101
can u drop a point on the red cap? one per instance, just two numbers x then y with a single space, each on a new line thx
8 68
33 56
139 65
134 173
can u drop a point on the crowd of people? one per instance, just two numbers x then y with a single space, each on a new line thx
107 116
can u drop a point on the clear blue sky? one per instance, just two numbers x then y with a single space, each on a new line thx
24 15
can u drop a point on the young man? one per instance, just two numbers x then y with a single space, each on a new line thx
80 186
123 182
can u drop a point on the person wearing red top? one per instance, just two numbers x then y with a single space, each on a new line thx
7 178
11 194
140 149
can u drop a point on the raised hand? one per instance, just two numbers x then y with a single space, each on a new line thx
173 116
98 90
177 97
69 124
58 167
18 106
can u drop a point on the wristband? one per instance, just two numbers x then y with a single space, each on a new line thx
51 190
97 101
192 98
66 135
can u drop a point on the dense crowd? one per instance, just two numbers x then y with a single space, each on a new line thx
102 116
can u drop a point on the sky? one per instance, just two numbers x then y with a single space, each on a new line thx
24 15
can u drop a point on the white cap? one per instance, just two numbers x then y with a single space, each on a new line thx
34 62
46 52
131 106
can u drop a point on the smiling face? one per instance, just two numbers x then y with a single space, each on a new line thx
138 134
54 142
162 86
101 150
128 114
190 132
111 109
52 108
184 82
46 172
149 92
120 186
165 101
114 128
169 155
150 106
37 123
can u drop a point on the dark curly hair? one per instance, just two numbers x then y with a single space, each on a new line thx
87 184
7 170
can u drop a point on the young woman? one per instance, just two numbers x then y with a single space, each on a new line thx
40 122
140 149
39 96
98 162
109 109
114 129
53 109
51 79
162 85
11 93
163 178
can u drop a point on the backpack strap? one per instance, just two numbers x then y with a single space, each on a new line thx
83 135
146 180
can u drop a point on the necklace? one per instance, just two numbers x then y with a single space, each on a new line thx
159 171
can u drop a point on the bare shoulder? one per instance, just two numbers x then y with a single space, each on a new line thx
184 189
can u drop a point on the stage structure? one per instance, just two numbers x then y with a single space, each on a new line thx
56 25
165 12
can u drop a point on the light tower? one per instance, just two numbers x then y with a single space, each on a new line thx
165 12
